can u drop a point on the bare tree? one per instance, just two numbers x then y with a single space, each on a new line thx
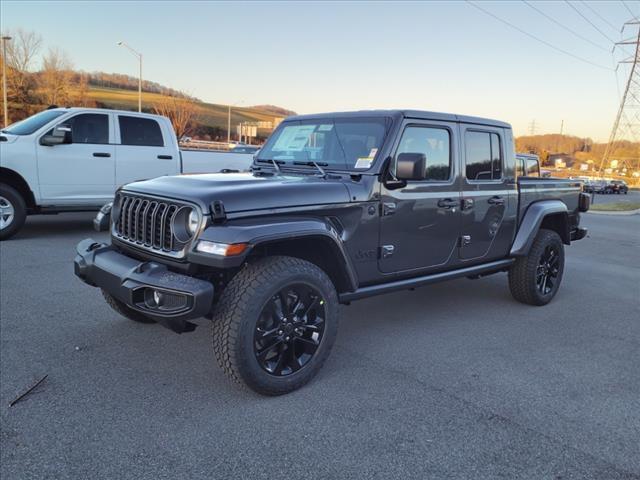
181 112
56 78
22 49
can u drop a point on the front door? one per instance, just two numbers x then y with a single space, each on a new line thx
420 223
80 171
489 195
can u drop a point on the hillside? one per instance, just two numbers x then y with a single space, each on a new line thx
211 119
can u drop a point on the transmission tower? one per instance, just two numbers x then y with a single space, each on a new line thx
532 127
627 123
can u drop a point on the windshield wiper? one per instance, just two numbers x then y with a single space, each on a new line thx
274 162
311 163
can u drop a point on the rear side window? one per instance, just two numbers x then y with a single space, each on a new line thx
140 131
533 169
434 144
89 128
483 156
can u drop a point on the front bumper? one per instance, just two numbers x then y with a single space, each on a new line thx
578 234
133 283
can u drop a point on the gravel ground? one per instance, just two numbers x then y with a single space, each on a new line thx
455 380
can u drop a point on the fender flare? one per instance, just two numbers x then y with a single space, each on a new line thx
531 222
273 231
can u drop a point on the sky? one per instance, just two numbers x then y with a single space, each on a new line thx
335 56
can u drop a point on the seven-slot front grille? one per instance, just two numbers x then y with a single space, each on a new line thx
148 222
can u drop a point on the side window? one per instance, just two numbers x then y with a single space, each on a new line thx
140 131
520 163
483 156
533 169
89 128
435 144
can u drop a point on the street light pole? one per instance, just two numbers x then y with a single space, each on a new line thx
5 39
139 55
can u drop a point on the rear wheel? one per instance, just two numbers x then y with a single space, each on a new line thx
535 279
125 310
275 324
13 211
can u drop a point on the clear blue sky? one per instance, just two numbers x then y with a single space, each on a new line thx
313 57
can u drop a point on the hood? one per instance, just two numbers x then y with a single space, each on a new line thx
241 192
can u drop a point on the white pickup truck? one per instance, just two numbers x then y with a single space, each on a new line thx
74 159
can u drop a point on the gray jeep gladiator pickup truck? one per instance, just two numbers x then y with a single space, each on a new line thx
337 207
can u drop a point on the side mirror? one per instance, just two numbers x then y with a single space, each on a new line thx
411 166
60 134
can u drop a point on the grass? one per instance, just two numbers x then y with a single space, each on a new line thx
209 114
615 207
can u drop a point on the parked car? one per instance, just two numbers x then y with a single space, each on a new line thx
617 186
73 159
337 207
253 149
595 186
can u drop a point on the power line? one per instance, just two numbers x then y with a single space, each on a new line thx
629 10
589 21
565 27
598 15
558 49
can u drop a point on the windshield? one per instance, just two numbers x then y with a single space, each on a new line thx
350 143
33 123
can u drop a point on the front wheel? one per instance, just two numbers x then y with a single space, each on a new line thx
13 211
535 279
275 324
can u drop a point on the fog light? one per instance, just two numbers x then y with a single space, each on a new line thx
221 249
158 298
164 301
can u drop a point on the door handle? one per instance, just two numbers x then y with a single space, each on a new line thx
496 200
447 203
101 154
165 157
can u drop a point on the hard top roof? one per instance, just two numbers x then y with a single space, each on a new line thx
417 114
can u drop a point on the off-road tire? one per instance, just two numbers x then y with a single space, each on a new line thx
237 313
522 274
125 310
19 211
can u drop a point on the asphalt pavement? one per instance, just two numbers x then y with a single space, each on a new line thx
455 380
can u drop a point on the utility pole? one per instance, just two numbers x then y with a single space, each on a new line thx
626 125
561 126
5 39
229 126
139 55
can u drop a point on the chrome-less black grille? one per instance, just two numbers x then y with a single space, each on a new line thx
149 223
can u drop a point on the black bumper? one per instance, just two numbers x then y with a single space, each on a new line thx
578 234
131 281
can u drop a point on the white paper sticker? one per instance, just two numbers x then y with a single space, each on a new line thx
364 162
373 152
294 138
325 127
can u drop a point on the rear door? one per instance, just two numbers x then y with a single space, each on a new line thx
80 171
144 150
489 194
420 223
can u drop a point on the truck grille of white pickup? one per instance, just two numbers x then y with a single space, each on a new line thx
150 223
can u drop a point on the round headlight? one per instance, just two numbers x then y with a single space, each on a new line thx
193 222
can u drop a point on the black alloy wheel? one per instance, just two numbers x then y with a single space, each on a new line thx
548 269
289 329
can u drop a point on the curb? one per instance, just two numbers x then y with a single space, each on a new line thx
605 212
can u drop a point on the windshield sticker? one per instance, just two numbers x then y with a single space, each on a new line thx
294 138
325 128
373 152
364 162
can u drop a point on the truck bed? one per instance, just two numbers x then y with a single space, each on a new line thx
533 189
